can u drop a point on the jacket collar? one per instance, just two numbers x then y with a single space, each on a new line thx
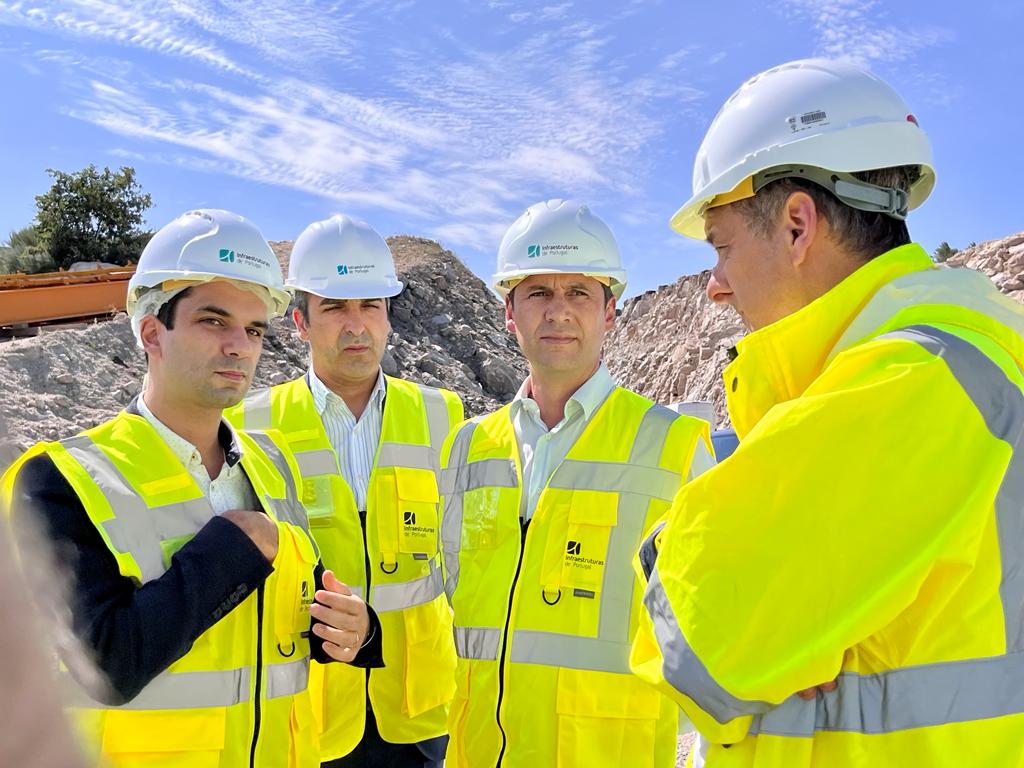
780 361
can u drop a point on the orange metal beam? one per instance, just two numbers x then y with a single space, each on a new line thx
59 302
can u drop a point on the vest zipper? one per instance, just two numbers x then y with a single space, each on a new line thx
259 676
523 526
367 568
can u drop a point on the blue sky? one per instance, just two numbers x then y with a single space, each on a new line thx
447 119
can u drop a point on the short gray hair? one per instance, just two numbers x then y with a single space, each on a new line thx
864 234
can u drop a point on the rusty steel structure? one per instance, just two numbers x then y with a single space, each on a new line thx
52 297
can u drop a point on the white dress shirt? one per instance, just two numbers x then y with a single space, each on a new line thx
354 440
231 488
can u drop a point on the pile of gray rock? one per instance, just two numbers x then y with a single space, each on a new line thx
448 330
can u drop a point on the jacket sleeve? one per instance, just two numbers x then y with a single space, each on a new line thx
135 632
817 533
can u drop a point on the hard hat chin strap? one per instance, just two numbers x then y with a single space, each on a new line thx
849 189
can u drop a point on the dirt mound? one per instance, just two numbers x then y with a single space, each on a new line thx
448 330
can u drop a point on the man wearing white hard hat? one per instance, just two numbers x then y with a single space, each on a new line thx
190 565
544 504
870 526
367 447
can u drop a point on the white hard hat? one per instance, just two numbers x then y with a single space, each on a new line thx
559 236
207 245
342 258
808 118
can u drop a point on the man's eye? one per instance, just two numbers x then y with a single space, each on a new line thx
256 333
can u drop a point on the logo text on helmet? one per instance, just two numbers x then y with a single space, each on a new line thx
355 269
229 256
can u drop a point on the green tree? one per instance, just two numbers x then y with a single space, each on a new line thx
92 216
943 252
23 253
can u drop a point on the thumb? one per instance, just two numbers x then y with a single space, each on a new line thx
332 584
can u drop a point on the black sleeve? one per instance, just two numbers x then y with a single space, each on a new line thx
370 656
135 632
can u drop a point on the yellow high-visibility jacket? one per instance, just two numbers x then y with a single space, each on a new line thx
870 525
390 556
545 610
244 681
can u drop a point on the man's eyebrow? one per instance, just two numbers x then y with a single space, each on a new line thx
213 309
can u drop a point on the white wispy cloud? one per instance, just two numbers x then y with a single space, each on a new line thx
460 142
857 31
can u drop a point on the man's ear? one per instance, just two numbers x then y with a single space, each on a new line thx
609 314
800 221
301 325
510 323
151 333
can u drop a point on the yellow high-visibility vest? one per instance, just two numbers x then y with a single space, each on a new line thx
239 696
870 525
545 611
392 549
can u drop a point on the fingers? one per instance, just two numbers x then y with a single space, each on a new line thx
807 694
339 602
333 584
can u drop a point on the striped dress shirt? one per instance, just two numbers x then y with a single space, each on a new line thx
354 440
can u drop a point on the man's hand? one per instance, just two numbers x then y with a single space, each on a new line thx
809 693
344 616
258 527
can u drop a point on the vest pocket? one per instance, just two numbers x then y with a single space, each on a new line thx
416 491
606 718
318 499
164 738
305 751
429 657
592 517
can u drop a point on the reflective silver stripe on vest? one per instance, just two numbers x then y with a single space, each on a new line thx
178 690
288 509
437 422
485 473
408 594
909 697
616 477
405 455
137 529
256 410
287 678
319 462
477 643
451 520
558 650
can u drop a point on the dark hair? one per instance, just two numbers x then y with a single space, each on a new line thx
607 295
167 310
865 234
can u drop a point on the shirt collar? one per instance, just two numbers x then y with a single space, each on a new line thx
587 398
323 395
182 448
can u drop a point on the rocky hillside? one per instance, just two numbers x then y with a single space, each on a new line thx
671 344
1002 260
448 328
